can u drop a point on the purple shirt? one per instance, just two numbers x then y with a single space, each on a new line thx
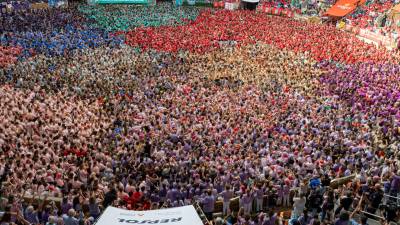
395 185
259 194
247 199
32 217
286 190
227 195
270 221
280 191
173 194
65 207
162 193
208 204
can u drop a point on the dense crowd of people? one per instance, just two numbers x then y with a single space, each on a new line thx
304 7
239 105
60 32
318 41
9 55
53 33
115 18
378 17
366 16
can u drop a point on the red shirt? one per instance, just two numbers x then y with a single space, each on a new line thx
136 196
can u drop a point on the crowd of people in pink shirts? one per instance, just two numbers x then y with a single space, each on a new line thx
9 55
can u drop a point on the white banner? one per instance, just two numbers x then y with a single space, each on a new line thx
377 37
185 215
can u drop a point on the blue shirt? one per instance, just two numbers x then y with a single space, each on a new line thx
32 217
70 220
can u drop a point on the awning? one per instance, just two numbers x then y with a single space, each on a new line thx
344 7
185 215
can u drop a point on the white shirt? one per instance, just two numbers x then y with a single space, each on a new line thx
299 205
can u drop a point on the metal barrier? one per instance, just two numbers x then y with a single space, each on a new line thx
335 183
234 202
164 205
374 215
390 196
36 200
199 211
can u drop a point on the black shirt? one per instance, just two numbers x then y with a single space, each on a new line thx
376 199
109 197
346 202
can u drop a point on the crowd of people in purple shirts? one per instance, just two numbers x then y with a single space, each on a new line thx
271 129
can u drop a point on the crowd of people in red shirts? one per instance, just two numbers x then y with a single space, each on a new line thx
204 34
